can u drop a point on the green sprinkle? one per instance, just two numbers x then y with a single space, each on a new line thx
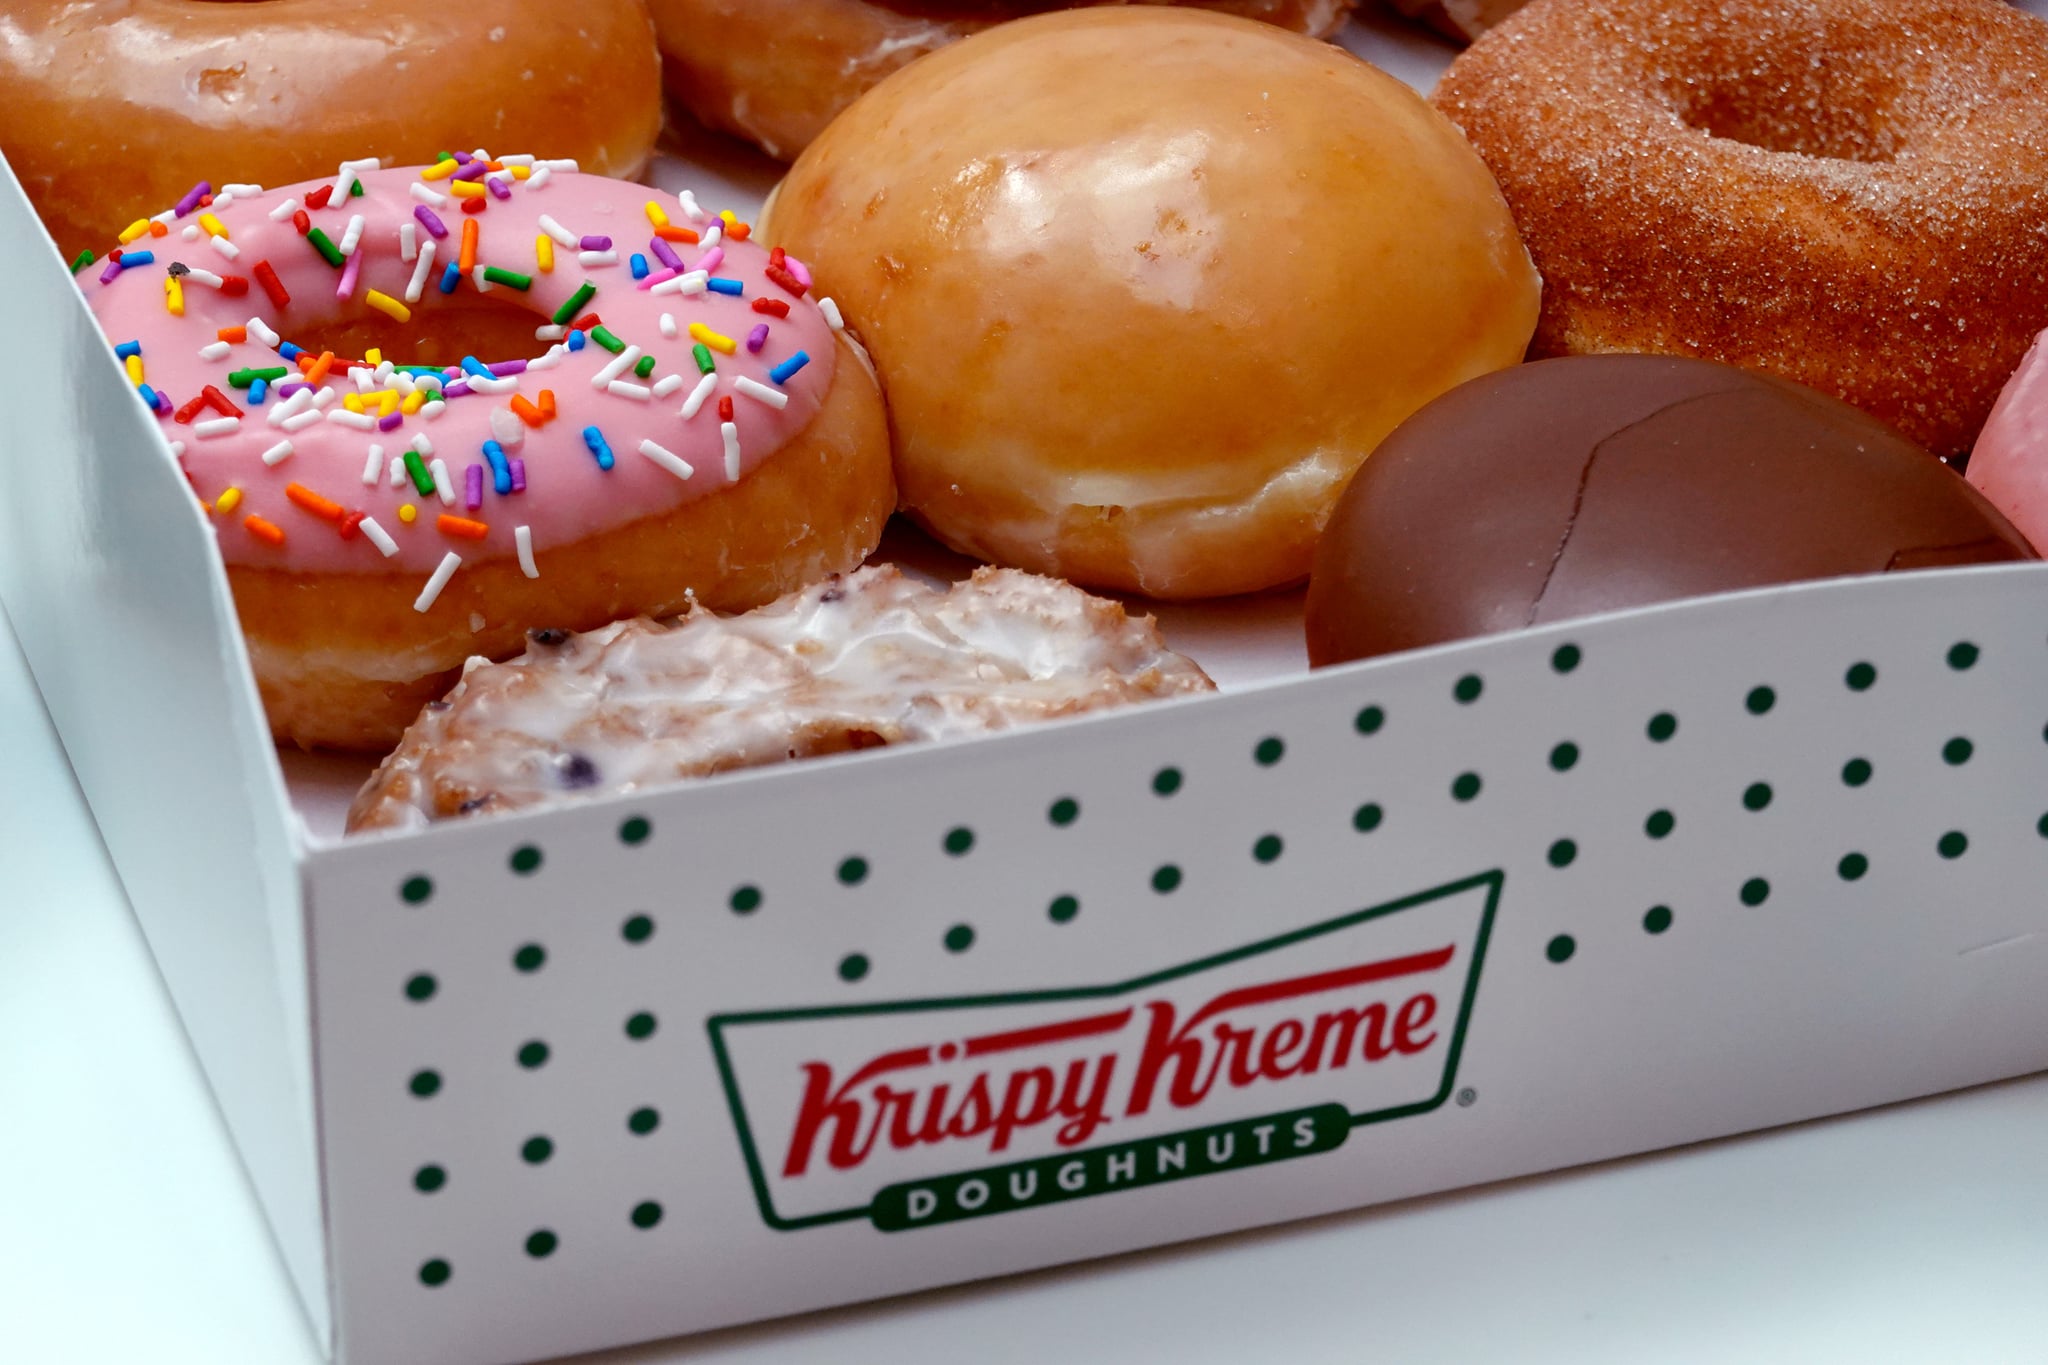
511 278
327 249
644 368
241 379
603 337
81 261
705 364
421 479
574 304
355 189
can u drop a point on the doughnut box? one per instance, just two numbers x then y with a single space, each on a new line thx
517 1087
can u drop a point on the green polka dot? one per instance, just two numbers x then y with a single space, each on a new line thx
958 840
1465 786
1756 796
959 938
640 1026
646 1214
525 860
1270 751
533 1054
1165 879
1267 849
531 957
1660 823
435 1273
1755 891
1953 844
1961 655
536 1149
541 1243
416 890
634 829
853 966
745 900
1852 866
1063 909
2042 827
1064 811
1367 817
425 1083
1856 772
1562 853
1561 948
1957 751
1166 781
429 1178
643 1121
1760 700
1564 757
420 988
1468 689
1860 677
853 871
1565 658
1657 919
637 928
1369 720
1662 726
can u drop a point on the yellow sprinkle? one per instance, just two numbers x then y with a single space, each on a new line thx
375 355
441 170
228 501
655 215
138 228
352 401
390 308
213 225
407 512
544 252
174 299
387 402
467 189
521 172
699 332
135 368
730 221
414 401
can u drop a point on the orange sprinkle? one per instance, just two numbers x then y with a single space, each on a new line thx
157 229
461 526
547 402
234 334
739 232
320 367
526 411
306 498
672 233
264 531
468 258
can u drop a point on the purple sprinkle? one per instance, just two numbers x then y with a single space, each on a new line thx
497 189
710 260
463 158
192 198
113 269
656 278
595 244
287 390
163 404
389 421
430 220
666 254
796 268
472 170
518 474
456 390
473 487
504 367
757 338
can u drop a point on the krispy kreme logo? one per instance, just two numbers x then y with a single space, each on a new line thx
922 1112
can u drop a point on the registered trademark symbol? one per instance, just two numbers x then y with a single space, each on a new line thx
1467 1097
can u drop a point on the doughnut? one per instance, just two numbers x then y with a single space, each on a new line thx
777 71
1177 284
428 416
1586 484
1460 20
109 109
871 659
2010 464
1850 194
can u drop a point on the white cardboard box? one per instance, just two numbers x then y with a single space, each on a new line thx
1504 955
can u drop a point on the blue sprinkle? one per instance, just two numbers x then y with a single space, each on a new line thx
594 438
781 373
130 259
576 341
289 351
128 348
639 265
450 278
501 472
257 389
149 397
471 365
721 285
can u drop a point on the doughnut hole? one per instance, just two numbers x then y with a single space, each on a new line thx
1786 103
490 327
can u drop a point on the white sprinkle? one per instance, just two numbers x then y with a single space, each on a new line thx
352 235
323 397
290 407
731 434
621 388
278 454
216 426
257 328
223 199
616 366
241 191
177 450
167 217
668 325
548 361
361 421
698 395
433 409
508 384
224 246
522 537
408 241
831 312
522 159
444 488
430 382
214 350
713 235
690 209
565 164
364 379
421 269
479 154
443 571
432 198
301 421
506 427
667 459
284 210
667 385
378 537
373 466
690 282
422 444
550 333
538 179
557 231
189 232
754 389
384 371
350 171
595 258
396 475
477 278
205 277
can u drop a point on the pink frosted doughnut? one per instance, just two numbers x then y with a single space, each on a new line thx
2010 464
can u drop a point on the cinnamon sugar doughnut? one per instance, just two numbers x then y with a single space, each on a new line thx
1851 194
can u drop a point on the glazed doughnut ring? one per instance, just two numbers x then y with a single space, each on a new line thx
777 71
1851 194
421 429
109 109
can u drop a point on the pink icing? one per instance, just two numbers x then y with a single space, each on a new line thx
2010 463
567 496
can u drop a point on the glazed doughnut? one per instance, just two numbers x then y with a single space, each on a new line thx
872 659
109 109
1851 194
696 434
777 71
1141 318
